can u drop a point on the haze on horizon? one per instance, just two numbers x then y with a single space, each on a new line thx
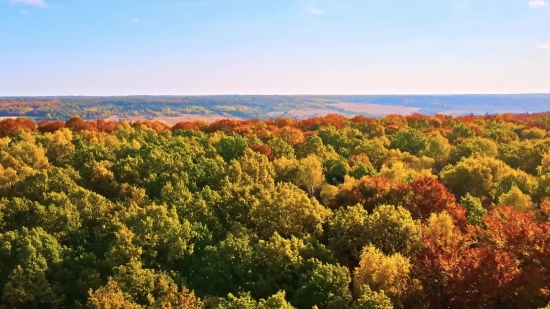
192 47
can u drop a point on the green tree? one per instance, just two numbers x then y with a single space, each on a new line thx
325 286
474 208
412 141
460 131
474 147
369 299
392 230
231 147
348 233
288 211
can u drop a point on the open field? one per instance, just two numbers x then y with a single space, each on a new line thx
376 109
173 119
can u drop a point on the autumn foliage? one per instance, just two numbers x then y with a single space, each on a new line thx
394 212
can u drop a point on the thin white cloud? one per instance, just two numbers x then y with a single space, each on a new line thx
537 3
136 20
315 11
543 47
37 3
24 12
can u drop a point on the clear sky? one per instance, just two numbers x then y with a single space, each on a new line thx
122 47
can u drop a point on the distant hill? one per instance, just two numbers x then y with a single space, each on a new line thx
174 108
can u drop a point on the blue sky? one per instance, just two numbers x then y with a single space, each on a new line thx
120 47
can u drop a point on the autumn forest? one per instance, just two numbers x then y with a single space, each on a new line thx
326 212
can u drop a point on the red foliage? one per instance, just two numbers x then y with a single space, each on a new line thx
10 126
76 124
477 130
315 123
265 150
106 126
428 196
224 125
372 191
504 264
536 125
45 126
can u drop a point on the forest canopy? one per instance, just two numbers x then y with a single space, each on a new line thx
327 212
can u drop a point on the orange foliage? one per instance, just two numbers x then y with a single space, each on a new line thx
45 126
106 126
505 262
263 149
76 124
155 125
185 125
428 196
224 125
291 136
10 126
371 191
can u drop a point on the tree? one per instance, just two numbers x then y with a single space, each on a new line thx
291 136
474 147
374 149
369 299
245 301
411 141
312 146
533 133
361 170
288 211
280 148
428 196
371 192
392 230
335 170
484 178
231 147
517 199
348 233
461 131
474 209
109 296
390 274
324 285
437 148
310 175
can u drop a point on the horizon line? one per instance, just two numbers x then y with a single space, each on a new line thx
260 94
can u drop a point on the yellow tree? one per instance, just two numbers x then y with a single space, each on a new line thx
391 274
310 174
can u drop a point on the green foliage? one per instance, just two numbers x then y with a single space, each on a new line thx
361 170
412 141
372 300
474 208
275 214
474 147
231 147
461 131
324 285
392 230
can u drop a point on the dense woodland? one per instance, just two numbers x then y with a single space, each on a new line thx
327 212
254 106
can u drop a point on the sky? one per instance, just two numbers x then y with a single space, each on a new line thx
199 47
